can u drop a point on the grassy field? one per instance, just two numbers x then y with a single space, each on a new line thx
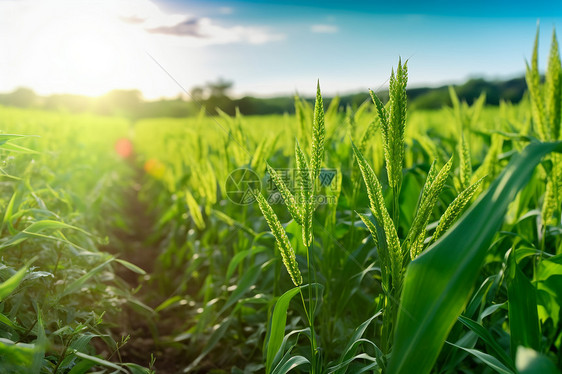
368 239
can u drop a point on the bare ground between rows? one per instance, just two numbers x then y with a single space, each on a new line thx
134 246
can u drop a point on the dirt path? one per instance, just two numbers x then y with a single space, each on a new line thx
145 331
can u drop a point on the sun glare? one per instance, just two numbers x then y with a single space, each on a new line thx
73 48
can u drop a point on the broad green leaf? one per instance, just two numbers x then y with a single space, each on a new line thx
17 148
168 302
5 320
12 283
523 313
99 361
7 137
137 369
82 367
438 283
8 213
285 348
239 257
134 268
248 280
487 337
35 231
491 361
290 364
19 354
213 340
277 326
40 344
351 347
75 285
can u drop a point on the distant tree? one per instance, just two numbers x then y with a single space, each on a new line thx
125 103
69 103
197 94
22 97
219 88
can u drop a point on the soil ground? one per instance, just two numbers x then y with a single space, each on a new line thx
146 332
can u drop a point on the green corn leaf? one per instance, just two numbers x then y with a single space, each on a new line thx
40 345
239 257
351 347
100 361
487 337
77 284
134 268
82 367
489 360
286 366
437 284
244 284
215 337
8 214
287 252
490 164
523 314
4 138
35 231
277 326
168 303
288 197
19 355
7 287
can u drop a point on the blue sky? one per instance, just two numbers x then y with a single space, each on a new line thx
265 48
355 44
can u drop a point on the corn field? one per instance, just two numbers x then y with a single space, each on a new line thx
368 239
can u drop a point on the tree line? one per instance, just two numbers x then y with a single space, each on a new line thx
213 95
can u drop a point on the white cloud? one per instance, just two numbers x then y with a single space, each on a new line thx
324 29
145 14
90 47
226 10
209 32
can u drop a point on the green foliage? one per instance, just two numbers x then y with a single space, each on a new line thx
435 287
395 267
58 201
283 243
